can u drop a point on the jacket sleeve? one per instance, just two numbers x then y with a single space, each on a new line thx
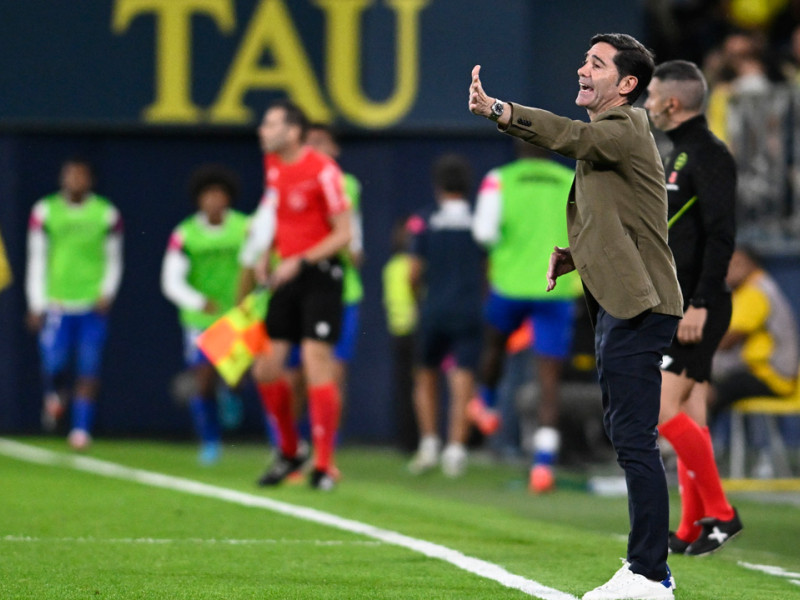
603 141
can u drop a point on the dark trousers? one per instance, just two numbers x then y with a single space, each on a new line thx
629 354
406 434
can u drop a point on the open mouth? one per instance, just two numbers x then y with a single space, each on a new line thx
584 88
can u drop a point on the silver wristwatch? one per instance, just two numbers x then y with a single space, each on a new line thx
497 109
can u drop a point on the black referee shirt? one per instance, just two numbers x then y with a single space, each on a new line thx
702 238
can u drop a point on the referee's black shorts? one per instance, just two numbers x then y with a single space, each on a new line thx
309 306
694 360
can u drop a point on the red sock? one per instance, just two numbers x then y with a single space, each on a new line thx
722 510
276 398
324 407
694 449
691 505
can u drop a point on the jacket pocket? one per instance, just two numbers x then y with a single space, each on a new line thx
585 272
627 263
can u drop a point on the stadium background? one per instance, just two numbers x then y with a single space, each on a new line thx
148 90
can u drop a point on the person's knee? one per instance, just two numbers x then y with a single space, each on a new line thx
206 379
266 368
86 387
631 434
318 361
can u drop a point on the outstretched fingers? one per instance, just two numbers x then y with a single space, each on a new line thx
477 97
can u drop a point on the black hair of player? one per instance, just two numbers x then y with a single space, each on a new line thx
213 175
294 115
452 173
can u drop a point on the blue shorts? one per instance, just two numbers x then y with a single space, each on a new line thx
192 355
345 348
64 336
552 321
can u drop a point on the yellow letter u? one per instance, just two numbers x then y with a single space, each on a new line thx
344 61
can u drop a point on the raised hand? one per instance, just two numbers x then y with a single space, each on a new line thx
479 103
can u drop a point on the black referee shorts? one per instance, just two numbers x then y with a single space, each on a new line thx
309 306
695 359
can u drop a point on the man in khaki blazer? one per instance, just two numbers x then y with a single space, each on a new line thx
617 225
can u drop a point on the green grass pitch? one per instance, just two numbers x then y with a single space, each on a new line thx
67 533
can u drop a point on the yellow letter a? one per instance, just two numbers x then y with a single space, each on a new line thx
270 28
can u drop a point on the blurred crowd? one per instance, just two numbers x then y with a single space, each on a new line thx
749 51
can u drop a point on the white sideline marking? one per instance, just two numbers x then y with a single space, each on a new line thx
476 566
770 570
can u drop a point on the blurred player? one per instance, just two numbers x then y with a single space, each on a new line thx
306 208
519 217
73 274
447 271
758 354
199 275
402 316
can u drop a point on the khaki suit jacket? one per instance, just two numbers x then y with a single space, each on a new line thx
617 207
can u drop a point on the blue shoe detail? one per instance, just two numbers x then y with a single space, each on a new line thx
209 453
669 582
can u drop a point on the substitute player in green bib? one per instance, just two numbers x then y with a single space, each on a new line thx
519 219
73 274
200 275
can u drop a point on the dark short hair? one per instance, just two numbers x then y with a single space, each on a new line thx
686 72
294 115
208 176
632 58
452 173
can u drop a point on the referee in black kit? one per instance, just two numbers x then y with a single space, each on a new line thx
701 190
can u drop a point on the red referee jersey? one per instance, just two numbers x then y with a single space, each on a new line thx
307 193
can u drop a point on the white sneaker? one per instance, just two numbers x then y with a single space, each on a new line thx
627 585
79 439
427 456
454 460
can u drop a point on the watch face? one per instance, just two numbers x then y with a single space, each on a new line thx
497 108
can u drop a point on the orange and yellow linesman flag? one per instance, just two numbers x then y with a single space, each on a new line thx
233 341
